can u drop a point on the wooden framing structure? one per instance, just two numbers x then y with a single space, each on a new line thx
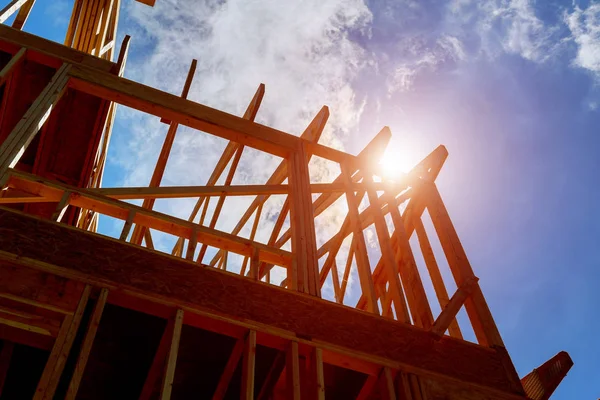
58 277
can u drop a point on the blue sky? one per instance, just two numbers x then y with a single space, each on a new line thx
510 87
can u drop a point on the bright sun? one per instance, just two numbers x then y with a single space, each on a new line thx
397 162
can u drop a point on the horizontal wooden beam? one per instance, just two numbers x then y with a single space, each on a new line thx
118 209
46 51
58 249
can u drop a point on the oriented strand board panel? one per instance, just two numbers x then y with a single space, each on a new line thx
81 255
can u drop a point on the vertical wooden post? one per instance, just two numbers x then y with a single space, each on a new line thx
315 367
62 346
247 392
305 266
409 273
362 260
86 347
293 372
388 384
477 309
167 386
434 272
389 262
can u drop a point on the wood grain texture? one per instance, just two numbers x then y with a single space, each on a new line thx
105 261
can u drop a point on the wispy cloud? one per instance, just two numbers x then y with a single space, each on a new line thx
585 30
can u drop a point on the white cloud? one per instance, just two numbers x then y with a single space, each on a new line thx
585 31
505 26
420 58
299 49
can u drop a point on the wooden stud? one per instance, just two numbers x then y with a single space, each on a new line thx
293 371
304 242
221 201
161 164
436 277
62 346
368 387
191 249
388 383
127 226
477 309
14 62
273 376
167 385
249 357
73 23
362 260
409 273
387 255
232 362
316 370
157 367
23 15
150 219
10 9
86 347
448 314
61 207
123 52
254 264
23 133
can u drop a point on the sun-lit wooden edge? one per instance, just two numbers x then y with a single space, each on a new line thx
194 115
154 220
47 52
312 133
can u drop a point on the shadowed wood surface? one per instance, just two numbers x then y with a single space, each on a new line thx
75 254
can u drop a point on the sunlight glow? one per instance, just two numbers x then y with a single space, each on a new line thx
397 161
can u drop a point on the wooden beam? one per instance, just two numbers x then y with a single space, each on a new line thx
23 15
17 141
409 273
389 391
232 362
249 360
435 275
293 371
175 282
477 309
273 376
10 9
157 368
317 379
228 153
367 388
69 36
151 219
387 255
14 63
312 133
167 385
362 260
448 314
60 351
163 157
5 358
305 266
86 347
